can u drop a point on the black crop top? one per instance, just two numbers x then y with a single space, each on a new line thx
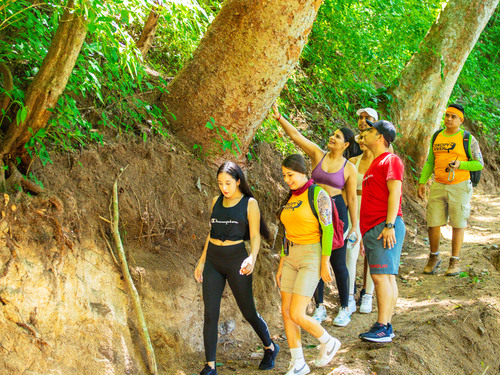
230 223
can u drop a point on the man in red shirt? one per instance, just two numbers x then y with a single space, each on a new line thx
382 225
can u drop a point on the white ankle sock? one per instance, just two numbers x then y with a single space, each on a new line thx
297 355
457 258
324 338
437 253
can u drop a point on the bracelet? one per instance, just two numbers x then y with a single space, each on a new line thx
279 118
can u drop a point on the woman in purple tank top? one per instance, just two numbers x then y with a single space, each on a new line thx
335 174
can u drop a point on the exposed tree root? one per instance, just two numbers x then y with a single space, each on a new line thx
16 179
13 256
134 296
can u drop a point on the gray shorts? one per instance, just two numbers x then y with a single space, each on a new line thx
302 269
384 261
449 202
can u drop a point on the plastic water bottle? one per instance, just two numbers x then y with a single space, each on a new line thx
351 239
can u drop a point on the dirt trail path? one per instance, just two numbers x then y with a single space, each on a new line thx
443 325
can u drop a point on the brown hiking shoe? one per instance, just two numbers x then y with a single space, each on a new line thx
453 268
432 264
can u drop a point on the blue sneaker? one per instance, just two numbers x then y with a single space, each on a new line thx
378 333
389 328
269 357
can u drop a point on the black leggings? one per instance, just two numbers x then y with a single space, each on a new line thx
338 261
224 262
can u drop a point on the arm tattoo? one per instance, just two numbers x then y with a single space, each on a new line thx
476 151
324 208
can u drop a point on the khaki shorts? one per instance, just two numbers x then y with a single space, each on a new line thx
302 269
449 201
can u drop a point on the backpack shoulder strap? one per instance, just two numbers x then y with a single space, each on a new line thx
435 135
312 202
467 144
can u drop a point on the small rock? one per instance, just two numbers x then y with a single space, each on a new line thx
227 327
381 369
257 355
481 330
494 247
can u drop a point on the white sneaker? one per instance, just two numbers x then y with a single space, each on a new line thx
366 304
327 352
320 314
343 318
300 368
352 304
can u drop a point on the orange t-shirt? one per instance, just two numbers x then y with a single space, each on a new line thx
301 225
446 149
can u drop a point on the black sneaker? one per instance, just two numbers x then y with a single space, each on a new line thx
267 362
207 370
361 294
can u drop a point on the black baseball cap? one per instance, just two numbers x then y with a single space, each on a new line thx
385 128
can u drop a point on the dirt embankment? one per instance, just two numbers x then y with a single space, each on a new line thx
64 309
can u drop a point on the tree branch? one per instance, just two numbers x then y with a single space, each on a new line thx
136 303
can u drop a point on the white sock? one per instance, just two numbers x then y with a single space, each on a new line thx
436 253
457 258
297 355
325 337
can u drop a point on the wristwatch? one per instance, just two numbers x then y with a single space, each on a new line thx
389 225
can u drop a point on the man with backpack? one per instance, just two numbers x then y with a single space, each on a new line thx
456 160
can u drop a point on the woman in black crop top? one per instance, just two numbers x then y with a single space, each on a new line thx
235 218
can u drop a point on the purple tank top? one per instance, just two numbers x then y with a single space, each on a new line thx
335 180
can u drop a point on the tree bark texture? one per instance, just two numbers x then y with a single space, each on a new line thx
239 69
50 81
7 84
426 83
148 32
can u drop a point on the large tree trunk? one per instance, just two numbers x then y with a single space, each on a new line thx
425 85
239 68
50 81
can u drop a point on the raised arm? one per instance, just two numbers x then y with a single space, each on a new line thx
310 148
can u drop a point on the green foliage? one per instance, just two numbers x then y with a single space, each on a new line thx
109 87
225 141
355 52
474 277
187 22
477 86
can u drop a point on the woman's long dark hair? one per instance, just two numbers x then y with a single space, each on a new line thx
235 172
348 137
296 163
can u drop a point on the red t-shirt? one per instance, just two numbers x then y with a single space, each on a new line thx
375 192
